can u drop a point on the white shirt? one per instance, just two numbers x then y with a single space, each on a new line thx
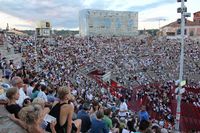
3 96
42 95
22 96
74 92
29 91
90 96
123 107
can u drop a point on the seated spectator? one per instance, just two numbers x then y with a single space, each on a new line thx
35 91
93 110
116 123
98 125
144 127
32 116
18 83
26 102
85 118
130 125
156 129
51 95
108 121
63 112
30 88
42 93
13 95
45 110
143 114
41 102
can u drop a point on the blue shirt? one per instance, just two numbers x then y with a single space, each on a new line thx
98 126
86 123
144 115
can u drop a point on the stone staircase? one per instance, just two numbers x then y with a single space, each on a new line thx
10 55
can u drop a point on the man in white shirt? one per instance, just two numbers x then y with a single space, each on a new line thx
18 83
123 109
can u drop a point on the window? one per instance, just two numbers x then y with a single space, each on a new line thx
47 24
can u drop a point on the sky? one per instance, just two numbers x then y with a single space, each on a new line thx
63 14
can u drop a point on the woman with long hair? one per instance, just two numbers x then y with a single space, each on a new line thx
63 112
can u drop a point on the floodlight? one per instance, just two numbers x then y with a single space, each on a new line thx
181 1
179 21
186 14
178 31
179 10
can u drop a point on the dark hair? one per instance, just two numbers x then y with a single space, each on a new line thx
144 125
99 115
86 106
156 128
43 87
115 122
94 105
36 88
32 83
122 99
107 111
26 81
26 101
130 125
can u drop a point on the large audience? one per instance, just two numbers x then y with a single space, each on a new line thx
50 89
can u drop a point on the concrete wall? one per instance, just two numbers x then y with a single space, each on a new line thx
108 23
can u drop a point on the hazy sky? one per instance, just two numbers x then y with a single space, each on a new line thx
24 14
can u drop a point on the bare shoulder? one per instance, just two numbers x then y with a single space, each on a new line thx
68 107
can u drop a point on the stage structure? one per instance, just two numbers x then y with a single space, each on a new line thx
43 29
108 23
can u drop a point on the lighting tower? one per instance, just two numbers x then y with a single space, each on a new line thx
180 90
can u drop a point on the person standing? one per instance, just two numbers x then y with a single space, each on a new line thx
123 109
63 112
143 114
85 118
98 125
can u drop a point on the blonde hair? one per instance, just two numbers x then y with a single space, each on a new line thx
39 101
11 92
30 114
62 92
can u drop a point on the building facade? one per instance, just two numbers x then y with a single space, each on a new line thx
43 29
196 18
192 28
107 23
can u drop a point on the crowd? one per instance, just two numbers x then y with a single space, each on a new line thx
158 100
57 76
